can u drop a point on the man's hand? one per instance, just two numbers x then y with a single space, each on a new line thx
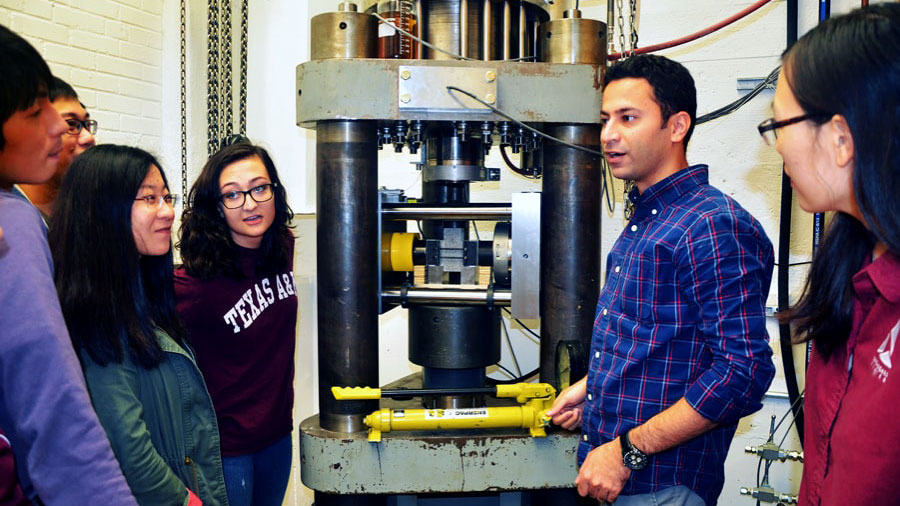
603 475
568 408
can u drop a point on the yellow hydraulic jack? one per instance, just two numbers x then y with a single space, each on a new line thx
535 399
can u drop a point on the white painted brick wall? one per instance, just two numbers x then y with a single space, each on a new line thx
110 51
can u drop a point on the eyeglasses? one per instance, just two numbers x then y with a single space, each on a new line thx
235 199
768 129
156 201
76 125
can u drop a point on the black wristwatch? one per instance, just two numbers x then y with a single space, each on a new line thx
632 457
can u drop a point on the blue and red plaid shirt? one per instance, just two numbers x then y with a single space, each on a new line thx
682 314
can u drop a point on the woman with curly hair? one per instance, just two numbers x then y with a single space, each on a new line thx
235 293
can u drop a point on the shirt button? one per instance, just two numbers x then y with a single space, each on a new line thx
618 268
590 397
653 211
634 228
596 354
584 436
605 312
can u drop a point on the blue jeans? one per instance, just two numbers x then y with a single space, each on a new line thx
672 496
261 478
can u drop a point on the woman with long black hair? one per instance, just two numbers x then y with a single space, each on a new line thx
836 114
236 295
111 244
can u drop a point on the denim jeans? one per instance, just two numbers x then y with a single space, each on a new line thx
261 478
672 496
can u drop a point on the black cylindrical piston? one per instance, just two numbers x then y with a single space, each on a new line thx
347 249
570 241
454 337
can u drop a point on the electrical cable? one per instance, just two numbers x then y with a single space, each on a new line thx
511 374
512 352
695 35
524 327
529 374
604 184
767 83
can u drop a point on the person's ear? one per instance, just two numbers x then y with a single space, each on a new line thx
842 141
678 125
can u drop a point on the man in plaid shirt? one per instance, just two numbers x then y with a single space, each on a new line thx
679 350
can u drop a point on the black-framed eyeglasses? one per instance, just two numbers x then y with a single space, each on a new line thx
768 129
76 125
235 198
156 201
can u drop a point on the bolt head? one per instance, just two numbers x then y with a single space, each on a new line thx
490 98
490 75
405 98
405 74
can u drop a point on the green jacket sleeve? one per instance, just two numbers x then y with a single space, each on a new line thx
114 392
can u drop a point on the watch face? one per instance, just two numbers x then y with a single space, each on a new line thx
635 460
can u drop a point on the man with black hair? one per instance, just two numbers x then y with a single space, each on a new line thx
78 137
679 351
62 454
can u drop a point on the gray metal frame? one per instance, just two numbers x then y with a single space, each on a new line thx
369 89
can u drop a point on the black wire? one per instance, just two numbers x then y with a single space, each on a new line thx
795 264
511 374
512 166
604 185
529 374
524 327
512 352
768 82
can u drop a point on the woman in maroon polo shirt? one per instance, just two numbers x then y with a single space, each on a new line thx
236 295
837 110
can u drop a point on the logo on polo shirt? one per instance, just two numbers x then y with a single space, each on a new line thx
881 363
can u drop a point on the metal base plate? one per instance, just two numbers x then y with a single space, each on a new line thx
427 462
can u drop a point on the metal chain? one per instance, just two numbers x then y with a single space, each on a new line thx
212 81
634 32
242 105
226 110
183 91
621 22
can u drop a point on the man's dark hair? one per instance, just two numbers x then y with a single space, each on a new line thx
673 86
61 89
26 76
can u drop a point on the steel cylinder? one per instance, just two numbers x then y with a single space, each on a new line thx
454 337
572 39
570 240
481 29
344 34
347 249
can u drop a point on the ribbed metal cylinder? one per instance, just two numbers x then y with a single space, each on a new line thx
570 241
345 34
481 29
572 40
347 249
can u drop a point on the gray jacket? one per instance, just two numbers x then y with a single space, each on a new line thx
162 426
